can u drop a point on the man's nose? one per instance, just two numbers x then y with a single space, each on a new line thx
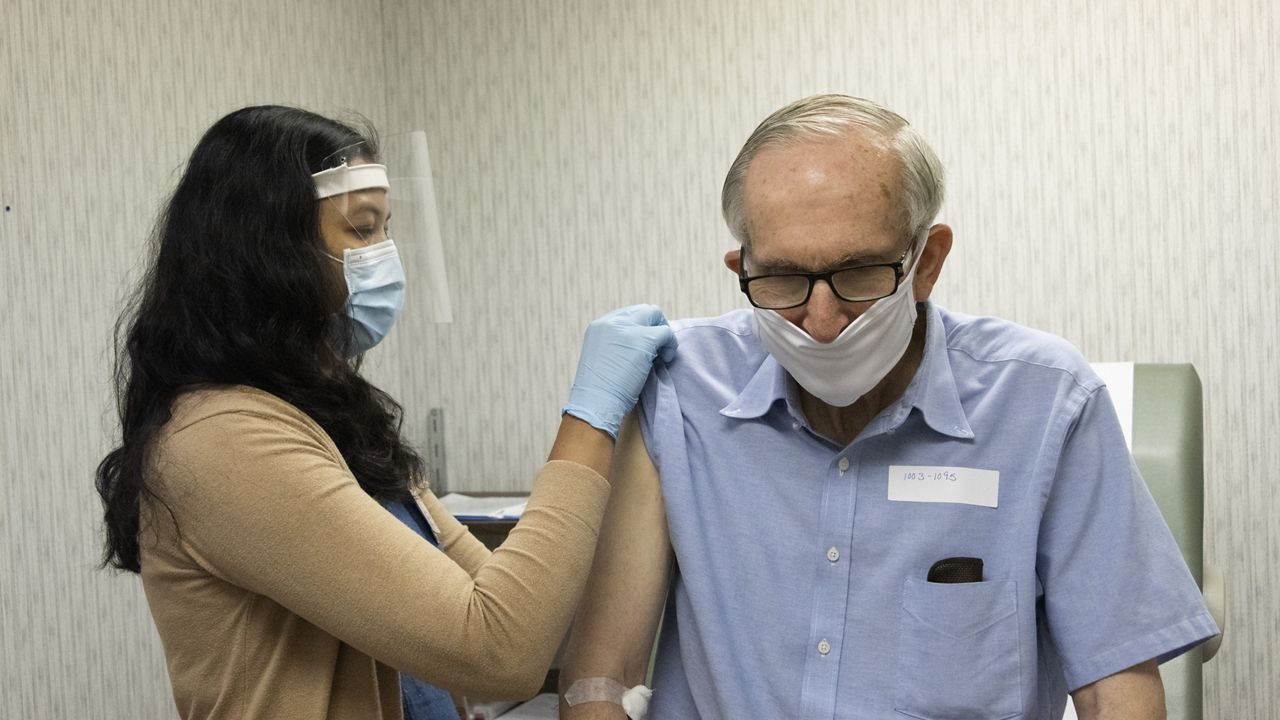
826 316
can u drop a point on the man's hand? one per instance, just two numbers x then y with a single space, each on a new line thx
1133 694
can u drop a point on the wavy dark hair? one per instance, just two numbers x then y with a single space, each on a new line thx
237 294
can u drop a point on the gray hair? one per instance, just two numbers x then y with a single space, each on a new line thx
833 116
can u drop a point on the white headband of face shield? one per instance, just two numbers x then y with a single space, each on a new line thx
349 178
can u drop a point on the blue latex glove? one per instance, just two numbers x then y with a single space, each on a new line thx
617 355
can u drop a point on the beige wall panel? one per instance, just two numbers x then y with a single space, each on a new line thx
1114 179
100 102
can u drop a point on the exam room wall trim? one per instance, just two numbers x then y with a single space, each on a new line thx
1114 179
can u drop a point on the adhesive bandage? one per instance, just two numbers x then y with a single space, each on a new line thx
634 701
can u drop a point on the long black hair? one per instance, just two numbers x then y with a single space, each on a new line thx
238 294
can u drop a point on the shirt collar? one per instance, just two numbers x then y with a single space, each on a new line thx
933 389
767 386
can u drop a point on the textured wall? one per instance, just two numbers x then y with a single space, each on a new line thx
100 104
1114 179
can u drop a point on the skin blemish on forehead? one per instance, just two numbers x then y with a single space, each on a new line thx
814 176
884 190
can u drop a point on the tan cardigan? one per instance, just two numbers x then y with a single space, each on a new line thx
287 592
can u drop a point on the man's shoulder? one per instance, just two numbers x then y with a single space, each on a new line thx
989 340
733 324
716 359
715 341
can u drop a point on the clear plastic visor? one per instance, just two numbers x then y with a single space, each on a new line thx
389 194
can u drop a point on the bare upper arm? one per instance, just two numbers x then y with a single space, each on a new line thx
613 631
1133 694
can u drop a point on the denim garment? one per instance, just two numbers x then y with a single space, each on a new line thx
421 700
800 588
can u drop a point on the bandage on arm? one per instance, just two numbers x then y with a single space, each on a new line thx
633 701
613 631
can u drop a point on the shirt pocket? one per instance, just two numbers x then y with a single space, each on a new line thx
958 651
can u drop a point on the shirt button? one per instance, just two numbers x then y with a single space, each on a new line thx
833 554
795 426
824 647
843 464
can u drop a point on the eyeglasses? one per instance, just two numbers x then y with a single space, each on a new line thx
861 283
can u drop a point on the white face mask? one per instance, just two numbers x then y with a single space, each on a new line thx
845 369
375 291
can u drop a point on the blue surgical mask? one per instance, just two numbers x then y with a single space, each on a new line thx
375 292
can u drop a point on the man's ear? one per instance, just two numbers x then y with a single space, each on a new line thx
935 254
733 261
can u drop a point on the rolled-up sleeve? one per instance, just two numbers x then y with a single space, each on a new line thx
1117 591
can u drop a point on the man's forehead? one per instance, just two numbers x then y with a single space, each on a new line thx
812 204
866 171
864 153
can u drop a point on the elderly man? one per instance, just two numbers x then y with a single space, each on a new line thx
871 507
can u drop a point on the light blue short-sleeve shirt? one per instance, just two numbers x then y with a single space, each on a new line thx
800 587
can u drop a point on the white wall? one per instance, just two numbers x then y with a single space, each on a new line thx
1114 179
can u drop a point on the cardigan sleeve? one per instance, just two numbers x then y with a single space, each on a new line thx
457 542
263 500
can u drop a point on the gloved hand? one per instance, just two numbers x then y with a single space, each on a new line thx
617 355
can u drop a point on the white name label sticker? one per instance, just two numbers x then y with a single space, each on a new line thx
969 486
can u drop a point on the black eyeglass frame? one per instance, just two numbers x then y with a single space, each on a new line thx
813 278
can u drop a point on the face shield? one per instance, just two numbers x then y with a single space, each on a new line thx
393 197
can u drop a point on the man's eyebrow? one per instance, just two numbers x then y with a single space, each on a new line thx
854 258
780 266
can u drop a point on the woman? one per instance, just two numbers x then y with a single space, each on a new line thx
256 468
